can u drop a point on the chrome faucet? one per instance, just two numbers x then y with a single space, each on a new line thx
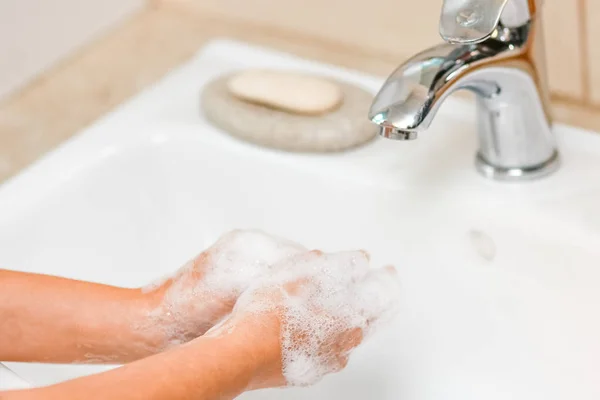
495 49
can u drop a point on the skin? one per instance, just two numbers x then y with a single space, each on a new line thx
81 321
243 353
211 367
88 322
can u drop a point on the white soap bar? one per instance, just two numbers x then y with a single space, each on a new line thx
288 91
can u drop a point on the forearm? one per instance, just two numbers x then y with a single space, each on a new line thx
50 319
206 368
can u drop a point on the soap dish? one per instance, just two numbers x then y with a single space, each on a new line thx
342 128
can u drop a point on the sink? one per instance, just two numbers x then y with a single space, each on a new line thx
10 381
500 295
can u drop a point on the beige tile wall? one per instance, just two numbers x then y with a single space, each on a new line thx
398 28
592 45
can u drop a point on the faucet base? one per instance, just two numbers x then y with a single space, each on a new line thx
517 174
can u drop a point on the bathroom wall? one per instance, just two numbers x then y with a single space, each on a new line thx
592 32
35 34
399 28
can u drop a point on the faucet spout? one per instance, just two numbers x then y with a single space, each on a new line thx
411 96
506 74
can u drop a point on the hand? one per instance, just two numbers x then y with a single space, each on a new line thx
305 319
297 322
205 289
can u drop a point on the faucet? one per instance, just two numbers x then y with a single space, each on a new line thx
495 49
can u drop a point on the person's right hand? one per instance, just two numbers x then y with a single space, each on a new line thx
205 289
304 320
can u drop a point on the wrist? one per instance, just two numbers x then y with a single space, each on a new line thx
256 339
150 321
170 320
181 313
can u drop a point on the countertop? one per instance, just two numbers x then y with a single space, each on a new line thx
139 52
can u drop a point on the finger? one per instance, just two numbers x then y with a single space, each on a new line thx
299 286
379 291
351 339
391 270
341 362
200 263
354 265
299 261
366 254
254 245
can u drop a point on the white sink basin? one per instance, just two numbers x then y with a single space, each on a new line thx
501 282
11 381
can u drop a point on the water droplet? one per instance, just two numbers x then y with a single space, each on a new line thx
483 244
468 17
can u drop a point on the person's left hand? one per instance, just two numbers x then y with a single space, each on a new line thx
205 289
303 322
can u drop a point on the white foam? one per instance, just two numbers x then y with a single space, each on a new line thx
242 257
205 288
326 301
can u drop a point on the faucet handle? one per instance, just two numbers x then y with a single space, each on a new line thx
470 21
473 21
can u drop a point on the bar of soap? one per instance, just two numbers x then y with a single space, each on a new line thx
288 91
